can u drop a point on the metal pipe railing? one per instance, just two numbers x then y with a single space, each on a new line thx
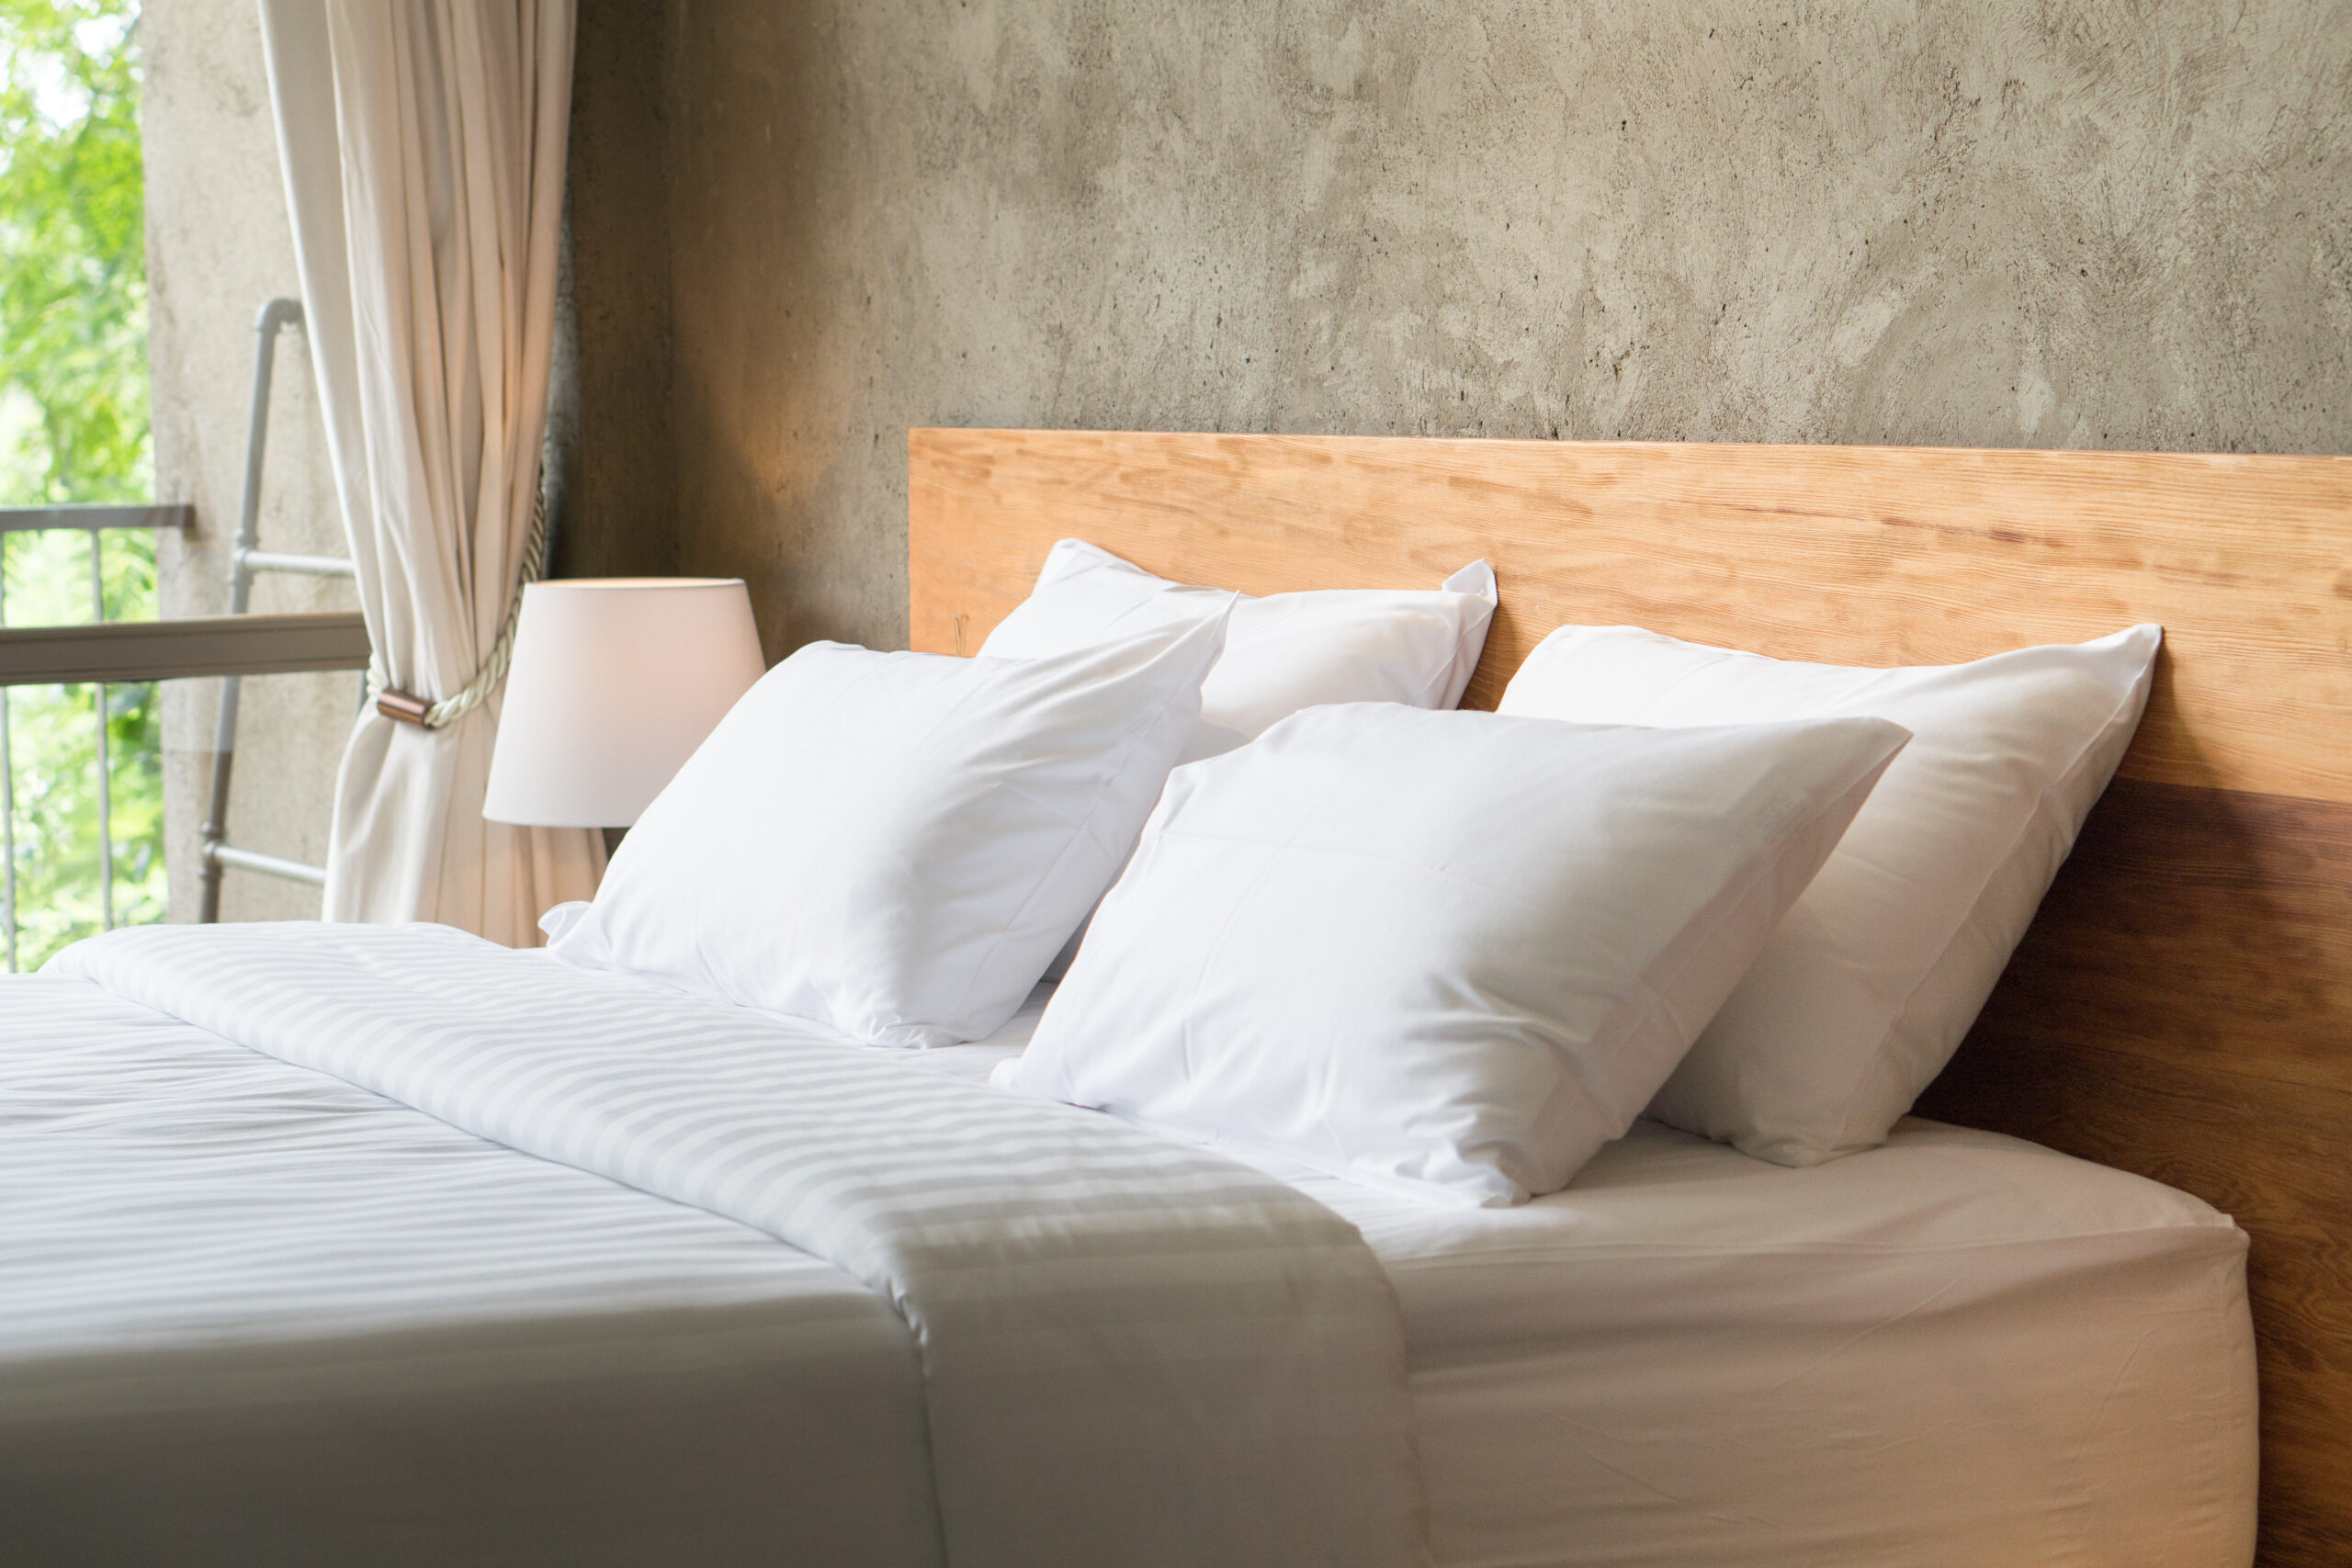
273 865
106 748
232 646
156 650
306 566
177 649
276 316
91 518
96 515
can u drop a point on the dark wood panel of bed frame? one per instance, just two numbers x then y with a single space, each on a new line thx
2183 1006
2179 1010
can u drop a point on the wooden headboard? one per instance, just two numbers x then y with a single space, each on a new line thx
2182 1007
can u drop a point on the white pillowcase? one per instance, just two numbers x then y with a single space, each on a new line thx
1283 652
1876 974
1451 953
896 844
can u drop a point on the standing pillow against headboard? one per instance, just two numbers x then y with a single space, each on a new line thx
1875 975
896 844
1447 953
1282 652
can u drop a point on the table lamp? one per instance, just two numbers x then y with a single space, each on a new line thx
615 680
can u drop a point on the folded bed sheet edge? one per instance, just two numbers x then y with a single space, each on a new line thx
1131 1350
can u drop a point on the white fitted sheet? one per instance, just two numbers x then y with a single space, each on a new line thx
1956 1350
1959 1350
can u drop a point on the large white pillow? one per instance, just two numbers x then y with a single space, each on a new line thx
1876 974
1452 954
896 844
1283 652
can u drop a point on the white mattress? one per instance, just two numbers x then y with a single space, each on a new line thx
1960 1350
1957 1349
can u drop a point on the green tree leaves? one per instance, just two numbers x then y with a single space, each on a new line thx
73 254
73 426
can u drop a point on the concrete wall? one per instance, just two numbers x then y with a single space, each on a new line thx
217 245
2098 224
799 229
615 514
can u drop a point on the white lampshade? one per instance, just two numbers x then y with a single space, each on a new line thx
615 680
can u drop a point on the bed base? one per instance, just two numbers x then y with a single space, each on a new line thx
2183 1006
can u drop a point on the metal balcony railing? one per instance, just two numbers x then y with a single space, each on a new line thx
104 652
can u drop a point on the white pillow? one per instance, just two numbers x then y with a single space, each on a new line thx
1451 953
1283 652
1876 974
896 844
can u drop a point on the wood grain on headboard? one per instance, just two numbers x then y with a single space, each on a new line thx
2182 1007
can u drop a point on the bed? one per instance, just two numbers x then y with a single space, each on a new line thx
298 1303
2181 1005
1688 1356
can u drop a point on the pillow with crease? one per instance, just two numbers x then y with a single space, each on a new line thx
1448 953
896 844
1874 976
1282 652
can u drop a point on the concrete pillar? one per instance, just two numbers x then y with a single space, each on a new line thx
217 245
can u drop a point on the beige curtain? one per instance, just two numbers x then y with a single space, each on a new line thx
424 146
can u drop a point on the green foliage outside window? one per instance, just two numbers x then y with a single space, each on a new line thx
73 427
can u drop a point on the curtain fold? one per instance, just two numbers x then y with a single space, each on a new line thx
423 150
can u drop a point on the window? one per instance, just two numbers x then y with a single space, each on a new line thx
83 794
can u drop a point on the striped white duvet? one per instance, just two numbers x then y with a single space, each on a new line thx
1128 1351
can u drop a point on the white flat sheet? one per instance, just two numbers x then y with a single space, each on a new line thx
236 1289
1131 1351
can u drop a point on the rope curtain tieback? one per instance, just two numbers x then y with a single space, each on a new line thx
409 708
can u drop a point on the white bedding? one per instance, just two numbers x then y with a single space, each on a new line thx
1957 1349
241 1290
1129 1351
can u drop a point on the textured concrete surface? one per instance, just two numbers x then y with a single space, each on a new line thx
616 515
799 229
2096 224
217 245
